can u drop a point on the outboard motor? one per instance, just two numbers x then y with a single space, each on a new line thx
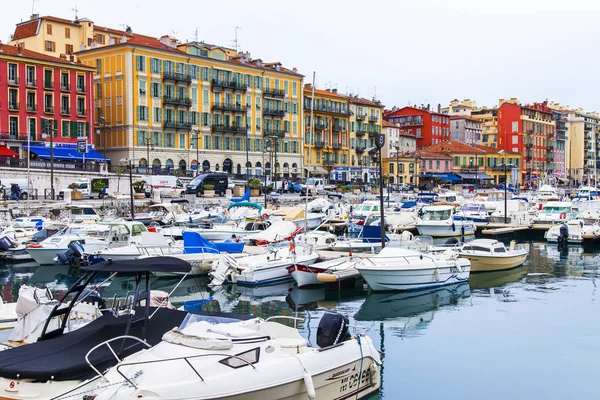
333 329
563 236
6 243
73 255
451 241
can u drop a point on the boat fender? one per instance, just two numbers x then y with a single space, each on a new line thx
563 215
453 227
436 275
310 386
374 374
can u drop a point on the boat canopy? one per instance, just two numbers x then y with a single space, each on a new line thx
150 264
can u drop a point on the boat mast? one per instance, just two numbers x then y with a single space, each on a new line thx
312 124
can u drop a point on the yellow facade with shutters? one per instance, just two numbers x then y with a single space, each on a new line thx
172 105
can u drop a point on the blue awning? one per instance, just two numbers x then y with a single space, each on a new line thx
64 152
445 176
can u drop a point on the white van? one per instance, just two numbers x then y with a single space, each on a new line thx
25 186
165 184
314 186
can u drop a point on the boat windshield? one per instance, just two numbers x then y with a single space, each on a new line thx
437 215
472 207
551 210
83 211
191 319
364 208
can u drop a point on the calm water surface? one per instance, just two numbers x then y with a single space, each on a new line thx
532 332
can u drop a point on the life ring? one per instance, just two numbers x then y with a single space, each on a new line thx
34 246
265 216
563 215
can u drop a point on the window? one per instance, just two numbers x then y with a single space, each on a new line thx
217 143
80 83
13 103
81 106
81 129
65 129
140 63
48 103
13 126
182 141
157 139
142 113
31 101
391 168
294 89
98 66
64 105
49 46
155 65
169 140
30 75
194 95
32 127
157 114
515 139
142 86
64 81
12 74
100 39
155 89
205 74
515 126
194 71
68 49
49 29
68 33
206 142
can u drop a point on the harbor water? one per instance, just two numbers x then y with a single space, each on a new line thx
531 332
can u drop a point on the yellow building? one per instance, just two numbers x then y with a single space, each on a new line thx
344 130
169 105
59 36
402 169
489 125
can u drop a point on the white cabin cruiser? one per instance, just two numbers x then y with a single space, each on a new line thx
517 211
575 228
475 212
254 359
440 221
554 212
492 255
307 275
396 268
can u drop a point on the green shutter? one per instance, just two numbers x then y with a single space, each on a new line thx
73 130
55 132
87 129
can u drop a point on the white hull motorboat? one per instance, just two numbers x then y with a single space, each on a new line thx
307 275
262 269
440 221
575 229
251 360
396 268
491 255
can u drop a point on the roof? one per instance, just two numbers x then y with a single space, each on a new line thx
26 29
365 102
149 41
495 150
427 154
386 124
420 110
467 117
322 92
32 55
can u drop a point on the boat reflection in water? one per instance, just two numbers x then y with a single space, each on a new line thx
496 279
410 312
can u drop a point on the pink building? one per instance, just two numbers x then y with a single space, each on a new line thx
39 94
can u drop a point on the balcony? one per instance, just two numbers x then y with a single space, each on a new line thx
13 106
361 132
219 128
177 101
338 128
329 161
373 118
65 111
48 85
360 148
31 108
409 122
372 135
177 77
319 144
31 83
65 87
320 126
49 109
329 110
14 81
80 89
361 117
273 112
177 125
337 146
81 113
219 84
274 93
274 132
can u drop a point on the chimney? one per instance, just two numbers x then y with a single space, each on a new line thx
35 16
334 91
308 86
19 48
439 108
128 31
328 90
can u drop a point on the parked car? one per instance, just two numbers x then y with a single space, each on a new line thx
218 180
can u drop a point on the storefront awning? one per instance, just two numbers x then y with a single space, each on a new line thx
318 171
441 176
5 152
481 176
64 152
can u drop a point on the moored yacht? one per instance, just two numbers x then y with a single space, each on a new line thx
440 221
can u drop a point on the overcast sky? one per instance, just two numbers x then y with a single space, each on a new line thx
426 51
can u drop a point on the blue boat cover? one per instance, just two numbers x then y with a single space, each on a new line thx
194 243
372 234
229 246
245 197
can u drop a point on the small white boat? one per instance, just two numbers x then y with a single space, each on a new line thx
255 359
555 212
575 228
475 212
440 221
517 213
320 240
262 269
307 275
396 268
492 255
46 251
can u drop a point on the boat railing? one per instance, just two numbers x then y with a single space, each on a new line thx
107 343
186 359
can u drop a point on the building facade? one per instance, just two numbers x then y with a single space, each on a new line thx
456 107
428 127
466 129
529 130
404 168
489 125
345 129
196 107
40 94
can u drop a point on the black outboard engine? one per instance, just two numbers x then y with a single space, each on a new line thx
333 329
73 255
563 236
6 243
451 241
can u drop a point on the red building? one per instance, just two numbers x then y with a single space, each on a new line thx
38 93
528 130
429 127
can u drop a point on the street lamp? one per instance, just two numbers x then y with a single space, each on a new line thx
130 161
149 145
197 140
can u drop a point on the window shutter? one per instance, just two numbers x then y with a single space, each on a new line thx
87 129
73 130
55 127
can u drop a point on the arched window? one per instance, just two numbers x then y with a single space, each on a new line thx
238 169
182 165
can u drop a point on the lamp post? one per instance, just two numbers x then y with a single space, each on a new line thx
149 144
49 132
130 161
247 158
268 150
197 137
